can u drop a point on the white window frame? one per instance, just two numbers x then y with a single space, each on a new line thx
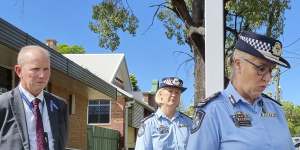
87 120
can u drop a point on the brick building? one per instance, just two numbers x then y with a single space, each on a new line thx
103 98
69 81
129 108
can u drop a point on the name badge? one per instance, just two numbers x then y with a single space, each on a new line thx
182 125
241 119
269 114
163 129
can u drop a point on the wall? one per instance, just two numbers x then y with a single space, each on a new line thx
63 86
117 118
131 137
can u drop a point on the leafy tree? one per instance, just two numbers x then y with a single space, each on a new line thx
134 82
292 113
108 17
184 20
70 49
180 107
190 111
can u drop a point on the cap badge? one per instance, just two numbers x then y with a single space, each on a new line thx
277 49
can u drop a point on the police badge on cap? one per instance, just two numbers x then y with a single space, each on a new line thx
172 82
262 47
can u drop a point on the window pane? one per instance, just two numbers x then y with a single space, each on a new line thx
104 101
104 119
93 102
99 111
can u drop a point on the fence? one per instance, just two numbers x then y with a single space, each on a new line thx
102 138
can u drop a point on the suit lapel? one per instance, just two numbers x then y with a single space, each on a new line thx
17 107
53 119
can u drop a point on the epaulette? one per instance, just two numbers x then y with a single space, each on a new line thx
207 100
267 96
143 120
185 115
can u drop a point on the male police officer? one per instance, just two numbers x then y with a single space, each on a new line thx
167 129
241 117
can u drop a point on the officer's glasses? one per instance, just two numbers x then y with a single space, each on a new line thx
262 70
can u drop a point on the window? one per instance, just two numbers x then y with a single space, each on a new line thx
5 80
99 111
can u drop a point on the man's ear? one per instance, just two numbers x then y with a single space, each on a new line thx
18 70
237 65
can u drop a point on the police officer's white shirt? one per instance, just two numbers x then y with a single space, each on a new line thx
30 120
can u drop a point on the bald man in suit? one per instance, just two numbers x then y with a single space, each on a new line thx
31 118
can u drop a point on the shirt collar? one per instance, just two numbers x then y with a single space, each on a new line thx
235 97
159 114
29 96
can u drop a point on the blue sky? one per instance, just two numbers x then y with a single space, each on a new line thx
149 55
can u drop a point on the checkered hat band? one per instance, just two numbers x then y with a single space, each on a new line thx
257 44
172 82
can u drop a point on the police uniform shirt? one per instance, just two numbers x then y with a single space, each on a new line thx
158 132
232 123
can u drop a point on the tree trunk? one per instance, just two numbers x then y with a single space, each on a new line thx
199 51
195 40
199 76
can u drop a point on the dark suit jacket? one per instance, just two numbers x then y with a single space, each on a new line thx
13 127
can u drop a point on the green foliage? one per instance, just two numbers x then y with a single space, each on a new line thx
173 25
108 17
264 15
249 15
134 82
174 28
190 111
257 14
180 107
70 49
292 113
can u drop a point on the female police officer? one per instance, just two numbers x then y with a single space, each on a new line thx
166 129
241 117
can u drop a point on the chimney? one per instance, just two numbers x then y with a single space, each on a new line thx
149 97
51 43
155 85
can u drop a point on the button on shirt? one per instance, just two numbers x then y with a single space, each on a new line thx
218 131
161 133
30 120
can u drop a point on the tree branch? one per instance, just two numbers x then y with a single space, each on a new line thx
198 12
233 31
181 52
181 10
196 38
129 7
180 65
153 18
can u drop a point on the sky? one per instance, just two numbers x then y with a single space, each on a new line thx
149 55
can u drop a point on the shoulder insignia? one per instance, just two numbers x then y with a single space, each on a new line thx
267 96
207 100
185 115
143 125
141 130
146 118
197 120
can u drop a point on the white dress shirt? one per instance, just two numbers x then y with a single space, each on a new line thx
30 120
